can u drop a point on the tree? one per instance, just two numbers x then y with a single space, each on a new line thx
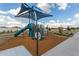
68 28
60 30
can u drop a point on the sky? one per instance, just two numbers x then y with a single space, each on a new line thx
64 14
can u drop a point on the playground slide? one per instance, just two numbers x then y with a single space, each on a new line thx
29 26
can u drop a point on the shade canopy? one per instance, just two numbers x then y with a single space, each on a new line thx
27 11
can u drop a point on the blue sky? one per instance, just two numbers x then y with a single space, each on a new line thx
64 14
8 6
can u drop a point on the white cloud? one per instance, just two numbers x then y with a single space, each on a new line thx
76 16
2 12
11 11
69 19
52 21
45 6
39 22
72 22
76 20
62 6
57 23
7 21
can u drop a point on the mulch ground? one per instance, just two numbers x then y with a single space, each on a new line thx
43 46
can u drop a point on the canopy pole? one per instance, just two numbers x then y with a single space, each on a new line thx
29 17
29 22
37 34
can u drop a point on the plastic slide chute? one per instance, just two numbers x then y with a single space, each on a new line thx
29 26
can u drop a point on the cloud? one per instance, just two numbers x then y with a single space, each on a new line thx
76 19
52 21
72 22
7 21
45 6
69 19
39 22
62 6
2 12
57 23
76 16
11 11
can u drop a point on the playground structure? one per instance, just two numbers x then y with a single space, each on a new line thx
33 13
35 47
32 29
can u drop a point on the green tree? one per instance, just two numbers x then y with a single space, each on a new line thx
68 28
60 30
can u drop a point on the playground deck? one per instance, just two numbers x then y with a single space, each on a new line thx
44 45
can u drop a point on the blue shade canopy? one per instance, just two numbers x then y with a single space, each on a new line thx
23 8
27 11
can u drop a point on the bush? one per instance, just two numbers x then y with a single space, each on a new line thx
8 31
73 28
3 31
11 31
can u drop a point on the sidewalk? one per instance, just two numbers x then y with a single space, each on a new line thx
70 47
17 51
